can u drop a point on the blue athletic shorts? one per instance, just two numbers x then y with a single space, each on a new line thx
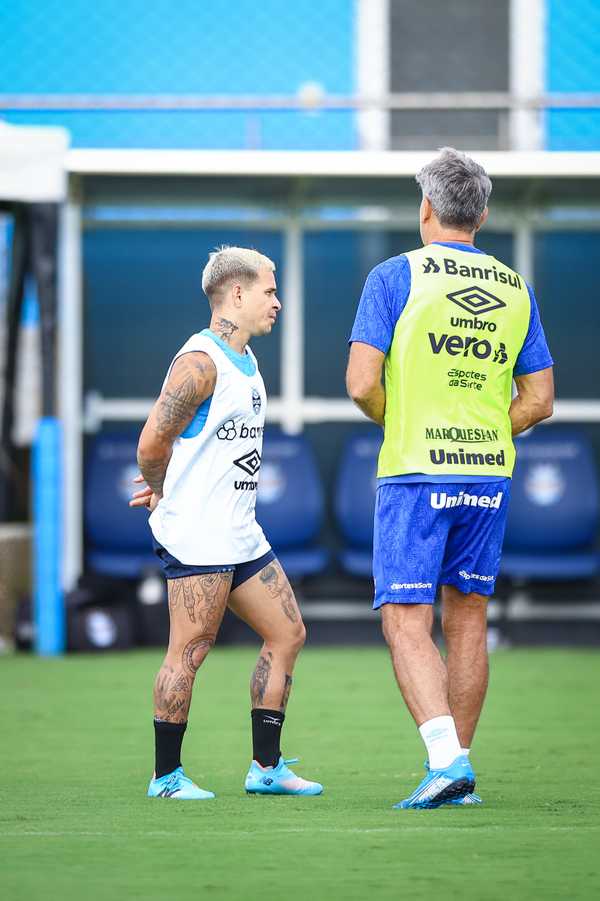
428 534
172 568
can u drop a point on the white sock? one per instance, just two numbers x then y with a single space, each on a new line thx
441 741
465 751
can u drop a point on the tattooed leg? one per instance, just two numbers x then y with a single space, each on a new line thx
267 603
196 607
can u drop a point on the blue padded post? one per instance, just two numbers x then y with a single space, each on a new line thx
49 608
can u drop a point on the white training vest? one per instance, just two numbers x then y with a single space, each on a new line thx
206 515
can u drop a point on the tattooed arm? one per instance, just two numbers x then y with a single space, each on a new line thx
191 381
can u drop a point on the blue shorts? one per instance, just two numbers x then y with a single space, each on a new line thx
172 568
427 534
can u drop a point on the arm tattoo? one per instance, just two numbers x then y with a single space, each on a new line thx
276 583
225 328
153 472
260 678
192 381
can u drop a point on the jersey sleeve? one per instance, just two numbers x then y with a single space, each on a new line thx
383 298
535 354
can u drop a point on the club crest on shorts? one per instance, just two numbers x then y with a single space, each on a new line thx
256 401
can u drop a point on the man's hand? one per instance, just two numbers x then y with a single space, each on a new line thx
145 497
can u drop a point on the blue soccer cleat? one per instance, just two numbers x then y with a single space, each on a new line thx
278 780
441 786
177 785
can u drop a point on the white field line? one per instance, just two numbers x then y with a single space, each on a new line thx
251 833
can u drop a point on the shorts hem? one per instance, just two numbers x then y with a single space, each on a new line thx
460 586
245 571
394 599
191 570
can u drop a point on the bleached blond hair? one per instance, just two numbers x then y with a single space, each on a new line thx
229 264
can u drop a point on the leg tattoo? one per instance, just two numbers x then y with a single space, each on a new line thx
276 583
260 679
195 651
172 695
286 693
202 592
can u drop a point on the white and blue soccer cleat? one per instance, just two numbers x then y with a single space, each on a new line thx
278 780
441 786
177 785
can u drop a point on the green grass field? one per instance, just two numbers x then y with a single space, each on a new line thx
77 753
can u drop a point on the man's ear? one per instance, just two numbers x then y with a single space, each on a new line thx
483 219
236 295
425 210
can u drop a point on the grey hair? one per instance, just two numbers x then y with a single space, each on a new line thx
457 187
227 264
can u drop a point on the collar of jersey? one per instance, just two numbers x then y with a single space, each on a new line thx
456 245
244 362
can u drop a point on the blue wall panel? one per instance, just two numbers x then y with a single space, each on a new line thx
143 300
213 47
573 65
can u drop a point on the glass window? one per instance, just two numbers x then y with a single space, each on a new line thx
458 46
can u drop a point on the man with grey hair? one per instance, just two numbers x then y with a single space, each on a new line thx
453 326
199 454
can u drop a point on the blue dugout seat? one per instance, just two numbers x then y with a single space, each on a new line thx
290 504
118 538
554 509
355 501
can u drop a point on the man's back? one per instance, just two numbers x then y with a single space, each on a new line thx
449 367
455 325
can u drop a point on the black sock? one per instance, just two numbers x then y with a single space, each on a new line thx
167 743
266 733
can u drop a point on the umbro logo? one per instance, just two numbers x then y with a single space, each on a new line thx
249 462
476 301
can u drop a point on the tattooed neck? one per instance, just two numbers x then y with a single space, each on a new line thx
225 328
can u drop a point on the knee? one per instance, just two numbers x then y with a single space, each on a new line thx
297 637
292 642
406 622
464 617
192 653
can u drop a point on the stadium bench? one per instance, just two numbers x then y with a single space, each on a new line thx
554 510
354 501
118 538
290 503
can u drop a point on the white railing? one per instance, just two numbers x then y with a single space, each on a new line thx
292 415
